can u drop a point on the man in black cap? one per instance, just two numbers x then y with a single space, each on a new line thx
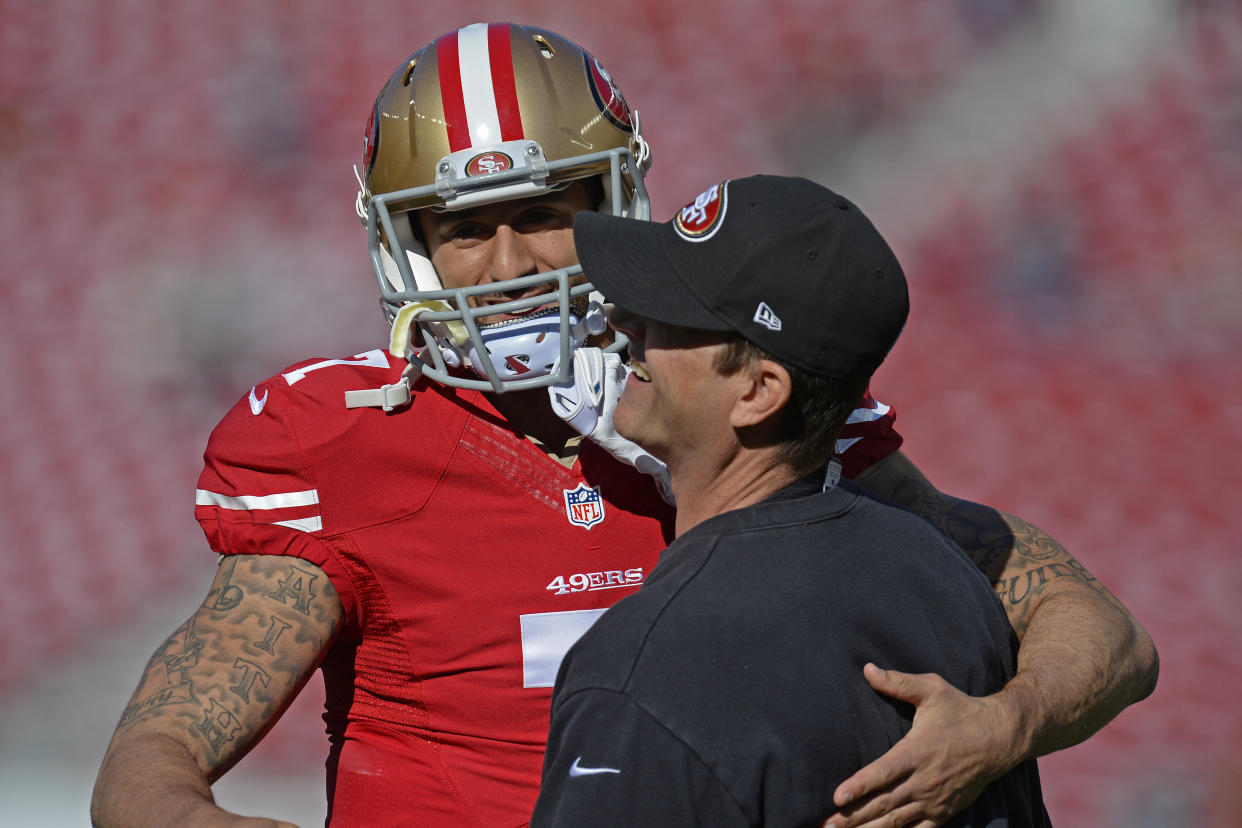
728 690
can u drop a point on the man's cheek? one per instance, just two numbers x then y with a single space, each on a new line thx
625 414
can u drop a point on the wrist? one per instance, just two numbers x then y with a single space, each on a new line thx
1015 720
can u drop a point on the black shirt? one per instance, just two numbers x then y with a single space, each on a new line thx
729 689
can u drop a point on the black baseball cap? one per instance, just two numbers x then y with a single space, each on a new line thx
790 265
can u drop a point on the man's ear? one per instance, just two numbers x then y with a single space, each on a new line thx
765 392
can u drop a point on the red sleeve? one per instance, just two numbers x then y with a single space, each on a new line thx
868 436
257 495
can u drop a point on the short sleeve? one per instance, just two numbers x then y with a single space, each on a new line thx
256 494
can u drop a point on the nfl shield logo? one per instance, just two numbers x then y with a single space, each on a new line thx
583 505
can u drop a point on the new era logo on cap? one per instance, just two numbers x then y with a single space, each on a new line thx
767 317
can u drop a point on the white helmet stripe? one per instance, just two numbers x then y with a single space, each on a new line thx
476 84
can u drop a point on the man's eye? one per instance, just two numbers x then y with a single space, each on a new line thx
540 218
465 231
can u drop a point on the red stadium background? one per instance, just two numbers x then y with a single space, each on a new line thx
1062 184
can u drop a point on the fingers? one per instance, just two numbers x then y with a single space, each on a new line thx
914 688
896 807
875 795
872 781
920 781
882 812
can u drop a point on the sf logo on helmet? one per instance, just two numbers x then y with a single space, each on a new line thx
489 163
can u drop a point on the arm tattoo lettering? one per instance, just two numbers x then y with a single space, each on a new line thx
227 596
298 586
1020 587
250 673
224 675
1017 591
268 644
178 694
1020 560
218 727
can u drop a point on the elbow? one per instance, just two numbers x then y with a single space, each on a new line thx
1147 662
99 812
108 798
99 797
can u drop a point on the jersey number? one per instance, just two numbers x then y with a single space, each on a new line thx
373 359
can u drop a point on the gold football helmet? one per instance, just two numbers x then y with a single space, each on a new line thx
488 113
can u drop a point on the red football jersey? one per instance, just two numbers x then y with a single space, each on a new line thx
467 561
868 436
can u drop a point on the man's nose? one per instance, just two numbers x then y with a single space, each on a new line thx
627 323
511 255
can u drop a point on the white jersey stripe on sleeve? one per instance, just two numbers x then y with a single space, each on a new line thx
310 524
476 84
245 503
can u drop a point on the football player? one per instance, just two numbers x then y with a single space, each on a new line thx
425 523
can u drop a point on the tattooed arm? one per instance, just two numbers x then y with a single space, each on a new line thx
213 689
1083 659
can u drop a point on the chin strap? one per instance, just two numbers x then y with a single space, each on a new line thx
387 397
586 401
396 395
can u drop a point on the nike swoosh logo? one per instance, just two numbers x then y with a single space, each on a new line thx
256 404
577 770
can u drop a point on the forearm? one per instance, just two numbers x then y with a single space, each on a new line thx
1082 661
213 689
149 780
1083 656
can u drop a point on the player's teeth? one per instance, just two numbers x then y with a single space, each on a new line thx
641 372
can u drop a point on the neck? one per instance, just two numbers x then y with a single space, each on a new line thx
706 489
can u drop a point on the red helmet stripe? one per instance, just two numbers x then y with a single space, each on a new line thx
451 92
478 87
500 54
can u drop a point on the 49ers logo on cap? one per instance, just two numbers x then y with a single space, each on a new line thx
488 163
607 96
699 220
